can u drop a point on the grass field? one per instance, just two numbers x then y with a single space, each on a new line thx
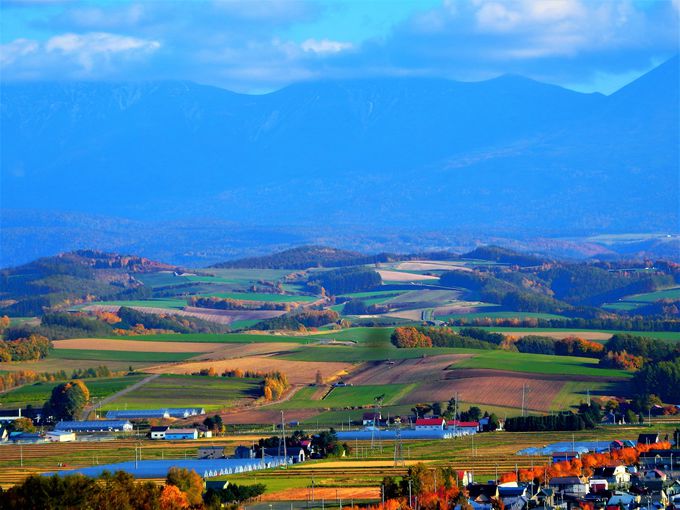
191 391
663 335
359 354
273 298
535 363
500 315
96 356
349 396
38 393
636 300
171 304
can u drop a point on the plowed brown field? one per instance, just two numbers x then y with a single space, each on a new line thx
405 371
298 372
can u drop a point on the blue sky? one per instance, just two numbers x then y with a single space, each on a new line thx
256 46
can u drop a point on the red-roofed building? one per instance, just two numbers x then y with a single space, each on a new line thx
430 423
463 428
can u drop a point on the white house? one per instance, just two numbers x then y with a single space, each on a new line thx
158 432
463 428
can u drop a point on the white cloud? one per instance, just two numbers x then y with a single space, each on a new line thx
324 46
16 49
86 48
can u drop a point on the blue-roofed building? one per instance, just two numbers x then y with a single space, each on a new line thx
146 414
95 426
178 434
184 412
25 437
137 414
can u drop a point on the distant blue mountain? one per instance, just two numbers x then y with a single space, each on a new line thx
504 155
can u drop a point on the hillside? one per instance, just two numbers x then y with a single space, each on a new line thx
581 164
71 278
302 257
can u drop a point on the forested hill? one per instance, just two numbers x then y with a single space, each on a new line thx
72 278
305 257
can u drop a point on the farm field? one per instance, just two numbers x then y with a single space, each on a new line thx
274 298
174 304
190 391
229 338
298 372
53 364
94 355
37 394
358 354
123 344
348 396
536 364
492 315
634 301
403 276
583 333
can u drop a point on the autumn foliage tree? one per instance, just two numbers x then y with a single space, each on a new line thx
67 400
408 337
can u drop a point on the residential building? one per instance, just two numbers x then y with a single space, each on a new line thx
615 475
569 486
463 428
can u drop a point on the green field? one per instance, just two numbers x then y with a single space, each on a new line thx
535 363
349 396
359 354
500 315
270 298
362 335
190 391
95 355
636 300
663 335
176 304
38 393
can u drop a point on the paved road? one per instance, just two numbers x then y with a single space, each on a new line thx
122 392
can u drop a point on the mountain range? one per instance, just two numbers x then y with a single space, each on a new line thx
507 156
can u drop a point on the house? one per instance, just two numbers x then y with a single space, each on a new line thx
181 434
545 497
620 500
204 431
648 438
569 485
616 445
511 495
430 423
654 475
158 432
371 418
465 478
562 456
210 452
95 426
482 493
295 452
60 436
598 485
615 475
660 458
463 428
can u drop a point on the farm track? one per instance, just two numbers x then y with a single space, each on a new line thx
86 412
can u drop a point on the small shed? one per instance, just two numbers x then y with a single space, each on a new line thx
210 452
60 436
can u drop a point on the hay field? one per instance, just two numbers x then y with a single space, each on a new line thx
397 276
434 265
298 372
219 316
110 344
588 335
